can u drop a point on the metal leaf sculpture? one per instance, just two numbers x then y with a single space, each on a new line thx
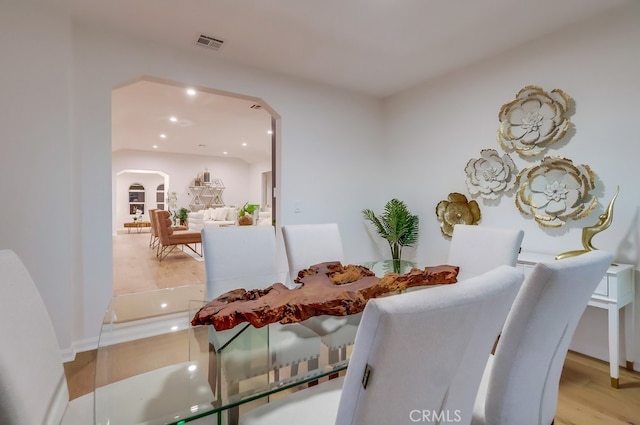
534 120
456 209
555 191
490 175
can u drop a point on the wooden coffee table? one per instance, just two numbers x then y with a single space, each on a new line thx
136 225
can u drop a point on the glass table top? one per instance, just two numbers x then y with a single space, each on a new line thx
153 367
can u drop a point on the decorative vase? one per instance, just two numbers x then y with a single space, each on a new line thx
396 265
245 220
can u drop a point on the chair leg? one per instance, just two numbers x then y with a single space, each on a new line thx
313 364
334 357
195 248
166 250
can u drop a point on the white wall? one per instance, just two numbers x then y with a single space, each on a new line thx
437 127
40 215
60 147
256 172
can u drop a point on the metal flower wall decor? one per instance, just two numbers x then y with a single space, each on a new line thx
534 120
490 175
456 209
555 191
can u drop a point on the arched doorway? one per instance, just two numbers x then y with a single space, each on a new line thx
181 132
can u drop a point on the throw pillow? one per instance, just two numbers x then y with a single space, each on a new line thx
220 214
232 214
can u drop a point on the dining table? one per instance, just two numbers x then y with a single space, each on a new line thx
154 367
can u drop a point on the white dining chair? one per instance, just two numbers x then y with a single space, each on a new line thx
309 244
520 383
416 354
477 249
33 385
245 255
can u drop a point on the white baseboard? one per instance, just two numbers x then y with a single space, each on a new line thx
130 331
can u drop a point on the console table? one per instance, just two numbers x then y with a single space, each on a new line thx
615 291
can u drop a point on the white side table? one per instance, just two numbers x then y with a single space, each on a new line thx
615 291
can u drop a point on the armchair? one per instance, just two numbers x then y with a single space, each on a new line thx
168 240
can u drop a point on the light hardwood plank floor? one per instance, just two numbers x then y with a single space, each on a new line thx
136 268
586 397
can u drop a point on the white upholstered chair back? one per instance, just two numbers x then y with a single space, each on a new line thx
233 257
417 348
308 244
33 387
521 381
235 252
477 249
420 344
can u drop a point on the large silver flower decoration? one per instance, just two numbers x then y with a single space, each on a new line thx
556 190
490 175
534 120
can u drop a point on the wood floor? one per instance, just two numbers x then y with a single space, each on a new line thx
586 397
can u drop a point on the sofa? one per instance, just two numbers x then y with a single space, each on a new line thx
212 217
264 218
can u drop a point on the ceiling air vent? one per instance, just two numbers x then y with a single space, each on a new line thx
255 106
210 42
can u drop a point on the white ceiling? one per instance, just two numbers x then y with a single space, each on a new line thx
206 124
374 47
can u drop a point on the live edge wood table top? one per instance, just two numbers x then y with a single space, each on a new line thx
328 288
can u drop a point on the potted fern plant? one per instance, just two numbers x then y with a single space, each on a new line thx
397 225
183 216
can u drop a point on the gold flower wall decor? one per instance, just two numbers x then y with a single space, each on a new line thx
534 120
556 190
456 209
490 175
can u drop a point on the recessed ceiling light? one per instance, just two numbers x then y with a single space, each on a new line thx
173 119
270 132
224 153
191 92
244 144
155 146
163 136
